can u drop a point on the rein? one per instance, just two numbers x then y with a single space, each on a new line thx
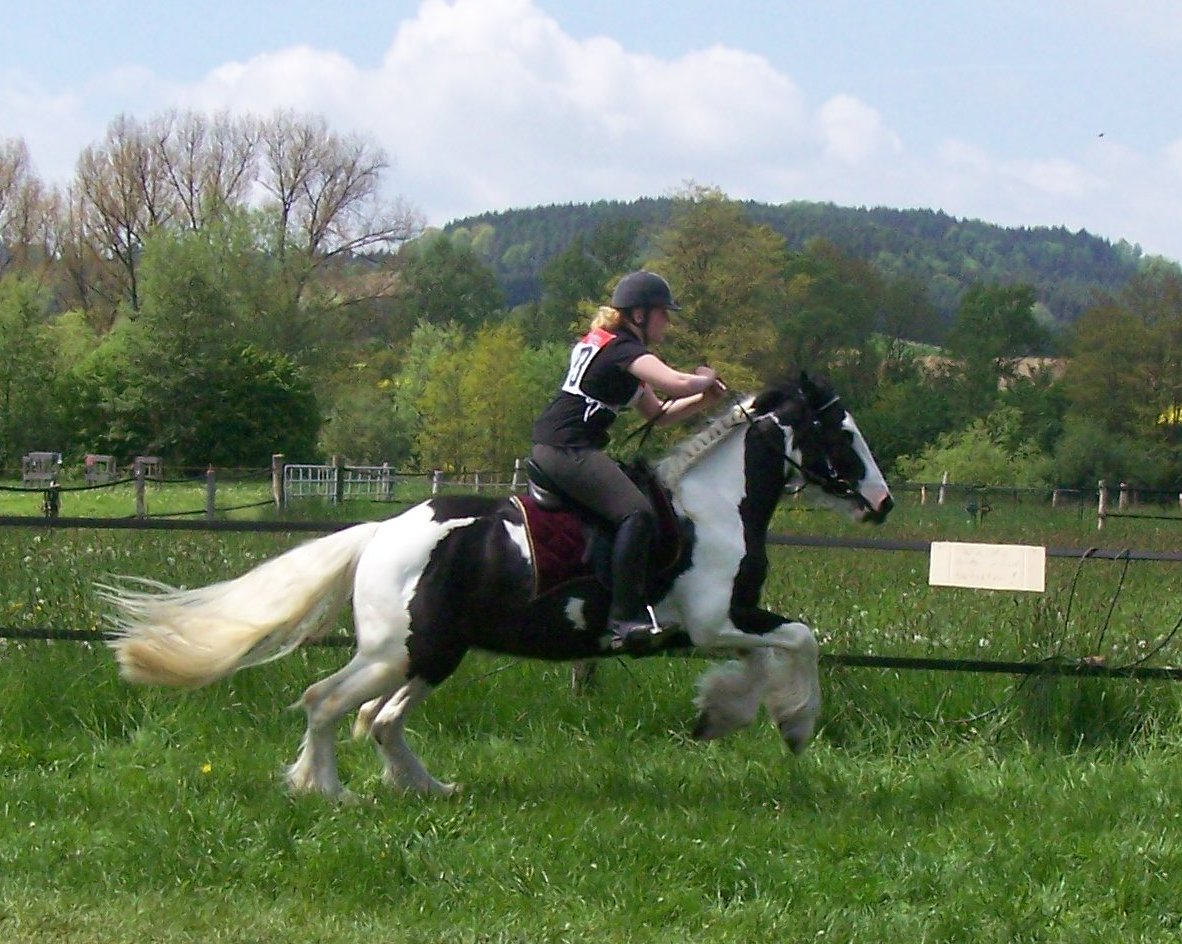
647 429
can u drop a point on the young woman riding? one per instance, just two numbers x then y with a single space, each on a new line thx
611 368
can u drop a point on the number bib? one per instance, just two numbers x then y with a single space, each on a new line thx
581 357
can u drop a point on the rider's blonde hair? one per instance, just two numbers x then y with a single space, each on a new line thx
607 318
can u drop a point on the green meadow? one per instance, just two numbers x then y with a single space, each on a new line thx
933 806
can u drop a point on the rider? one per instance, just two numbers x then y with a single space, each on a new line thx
611 368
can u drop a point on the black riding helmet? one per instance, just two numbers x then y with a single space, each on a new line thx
643 290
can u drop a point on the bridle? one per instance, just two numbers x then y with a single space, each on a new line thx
829 480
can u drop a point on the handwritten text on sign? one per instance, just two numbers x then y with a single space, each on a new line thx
988 566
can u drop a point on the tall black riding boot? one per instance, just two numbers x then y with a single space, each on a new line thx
632 628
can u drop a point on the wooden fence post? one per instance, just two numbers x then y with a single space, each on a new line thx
141 503
943 488
436 481
277 480
387 483
1102 508
51 504
1122 500
338 492
211 493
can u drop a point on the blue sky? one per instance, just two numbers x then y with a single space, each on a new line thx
1047 113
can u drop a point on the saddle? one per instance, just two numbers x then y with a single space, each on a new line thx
569 542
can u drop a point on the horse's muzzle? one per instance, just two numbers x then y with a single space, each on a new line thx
877 514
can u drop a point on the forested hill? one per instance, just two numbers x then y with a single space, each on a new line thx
939 251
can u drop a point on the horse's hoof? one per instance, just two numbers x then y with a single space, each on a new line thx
796 735
702 729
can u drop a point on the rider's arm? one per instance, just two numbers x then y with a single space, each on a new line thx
650 407
656 373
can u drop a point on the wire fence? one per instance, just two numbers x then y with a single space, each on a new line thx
1057 666
337 483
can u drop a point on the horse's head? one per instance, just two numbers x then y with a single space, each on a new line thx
824 448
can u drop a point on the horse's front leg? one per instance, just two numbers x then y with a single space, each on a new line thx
778 668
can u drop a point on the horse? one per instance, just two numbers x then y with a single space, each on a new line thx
455 573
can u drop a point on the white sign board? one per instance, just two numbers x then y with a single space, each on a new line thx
988 566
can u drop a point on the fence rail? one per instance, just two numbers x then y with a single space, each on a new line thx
1073 668
338 482
1059 667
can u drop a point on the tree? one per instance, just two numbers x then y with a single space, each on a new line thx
326 197
580 276
186 377
122 194
727 274
209 163
29 417
1107 375
907 313
361 419
1155 296
994 328
828 318
186 171
442 433
500 404
444 283
1088 452
910 408
989 452
406 389
26 213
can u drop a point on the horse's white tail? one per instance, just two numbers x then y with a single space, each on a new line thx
189 638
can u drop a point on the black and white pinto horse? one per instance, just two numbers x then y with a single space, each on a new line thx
456 573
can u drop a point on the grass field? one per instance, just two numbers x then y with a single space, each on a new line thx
932 807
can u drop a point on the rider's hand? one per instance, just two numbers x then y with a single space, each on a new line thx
709 374
715 388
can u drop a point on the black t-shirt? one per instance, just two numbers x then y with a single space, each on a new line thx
596 387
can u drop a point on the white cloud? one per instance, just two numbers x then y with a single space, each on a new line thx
1172 158
52 125
853 132
1057 177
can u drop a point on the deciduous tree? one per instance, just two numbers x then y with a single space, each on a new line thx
727 274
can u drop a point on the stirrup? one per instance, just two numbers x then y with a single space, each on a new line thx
635 635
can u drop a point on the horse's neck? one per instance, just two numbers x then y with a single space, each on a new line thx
721 486
713 484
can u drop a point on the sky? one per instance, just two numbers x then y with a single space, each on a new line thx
1046 113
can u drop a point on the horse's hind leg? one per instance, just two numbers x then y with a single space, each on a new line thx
403 767
325 703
